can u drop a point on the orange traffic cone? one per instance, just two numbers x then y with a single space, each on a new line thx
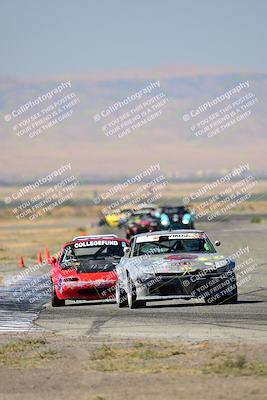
47 254
39 258
21 262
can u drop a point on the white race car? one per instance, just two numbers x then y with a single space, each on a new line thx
180 264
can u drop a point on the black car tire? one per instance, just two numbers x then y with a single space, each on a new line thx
140 303
131 295
121 296
55 301
232 299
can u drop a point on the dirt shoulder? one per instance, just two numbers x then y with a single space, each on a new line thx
42 367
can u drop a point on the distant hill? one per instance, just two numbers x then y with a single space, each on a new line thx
167 139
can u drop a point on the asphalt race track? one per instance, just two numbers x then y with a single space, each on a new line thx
187 320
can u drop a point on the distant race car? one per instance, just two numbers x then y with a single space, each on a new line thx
181 264
114 219
176 217
86 269
141 222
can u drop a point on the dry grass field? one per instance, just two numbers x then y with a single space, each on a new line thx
24 237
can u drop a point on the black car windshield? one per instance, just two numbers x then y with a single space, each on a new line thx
173 244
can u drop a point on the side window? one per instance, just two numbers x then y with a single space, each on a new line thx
67 254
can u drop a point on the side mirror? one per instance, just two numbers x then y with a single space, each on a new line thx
217 243
126 250
52 260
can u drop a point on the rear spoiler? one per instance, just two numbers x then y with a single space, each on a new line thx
94 236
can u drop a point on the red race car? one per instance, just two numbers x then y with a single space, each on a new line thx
141 222
86 269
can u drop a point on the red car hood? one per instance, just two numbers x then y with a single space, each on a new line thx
66 274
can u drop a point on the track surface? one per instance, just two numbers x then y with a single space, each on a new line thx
21 303
187 320
245 320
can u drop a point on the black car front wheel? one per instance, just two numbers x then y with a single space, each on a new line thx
222 299
230 299
55 301
121 296
131 295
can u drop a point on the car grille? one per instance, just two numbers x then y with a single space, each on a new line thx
185 274
168 289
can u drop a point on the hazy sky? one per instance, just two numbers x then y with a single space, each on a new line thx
51 37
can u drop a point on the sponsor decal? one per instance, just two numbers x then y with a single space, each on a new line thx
187 236
91 243
190 235
219 257
143 239
182 257
186 269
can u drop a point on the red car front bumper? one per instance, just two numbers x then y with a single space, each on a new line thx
86 290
